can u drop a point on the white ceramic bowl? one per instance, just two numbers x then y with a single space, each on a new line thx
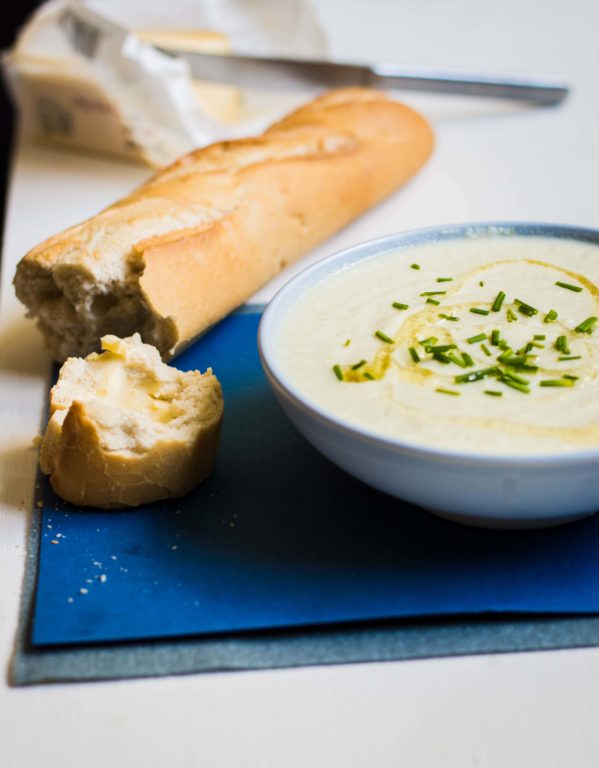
492 491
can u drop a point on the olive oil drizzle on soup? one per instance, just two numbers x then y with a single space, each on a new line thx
483 344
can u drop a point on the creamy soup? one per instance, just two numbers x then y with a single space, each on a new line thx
483 344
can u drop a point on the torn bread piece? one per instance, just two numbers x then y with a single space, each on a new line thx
126 429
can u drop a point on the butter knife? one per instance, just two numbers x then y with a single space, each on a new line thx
297 74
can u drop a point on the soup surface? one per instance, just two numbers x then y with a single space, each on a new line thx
482 344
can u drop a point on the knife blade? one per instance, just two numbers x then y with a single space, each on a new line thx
298 74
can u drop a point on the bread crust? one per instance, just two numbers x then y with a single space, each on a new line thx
83 473
78 449
203 234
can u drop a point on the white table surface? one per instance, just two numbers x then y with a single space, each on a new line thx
492 162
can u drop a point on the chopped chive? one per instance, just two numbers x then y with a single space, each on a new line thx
338 372
399 305
414 355
561 344
493 393
533 345
441 357
414 266
569 376
569 286
477 338
508 352
526 309
444 279
467 359
570 357
521 363
556 383
513 377
358 365
368 376
550 317
456 360
511 316
433 301
539 337
433 293
440 347
486 350
495 337
517 360
466 378
383 337
429 341
347 342
502 344
517 385
447 391
481 283
586 326
477 311
451 318
499 299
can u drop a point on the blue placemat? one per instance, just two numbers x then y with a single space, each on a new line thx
264 564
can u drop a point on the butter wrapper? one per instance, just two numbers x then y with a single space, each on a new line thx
87 75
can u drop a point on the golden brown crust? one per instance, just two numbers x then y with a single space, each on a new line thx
83 473
205 233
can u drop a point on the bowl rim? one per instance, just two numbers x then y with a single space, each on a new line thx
280 305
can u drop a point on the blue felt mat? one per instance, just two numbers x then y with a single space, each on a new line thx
279 537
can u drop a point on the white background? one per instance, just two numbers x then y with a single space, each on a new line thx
493 161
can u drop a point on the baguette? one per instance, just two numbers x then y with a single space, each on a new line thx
126 429
203 234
